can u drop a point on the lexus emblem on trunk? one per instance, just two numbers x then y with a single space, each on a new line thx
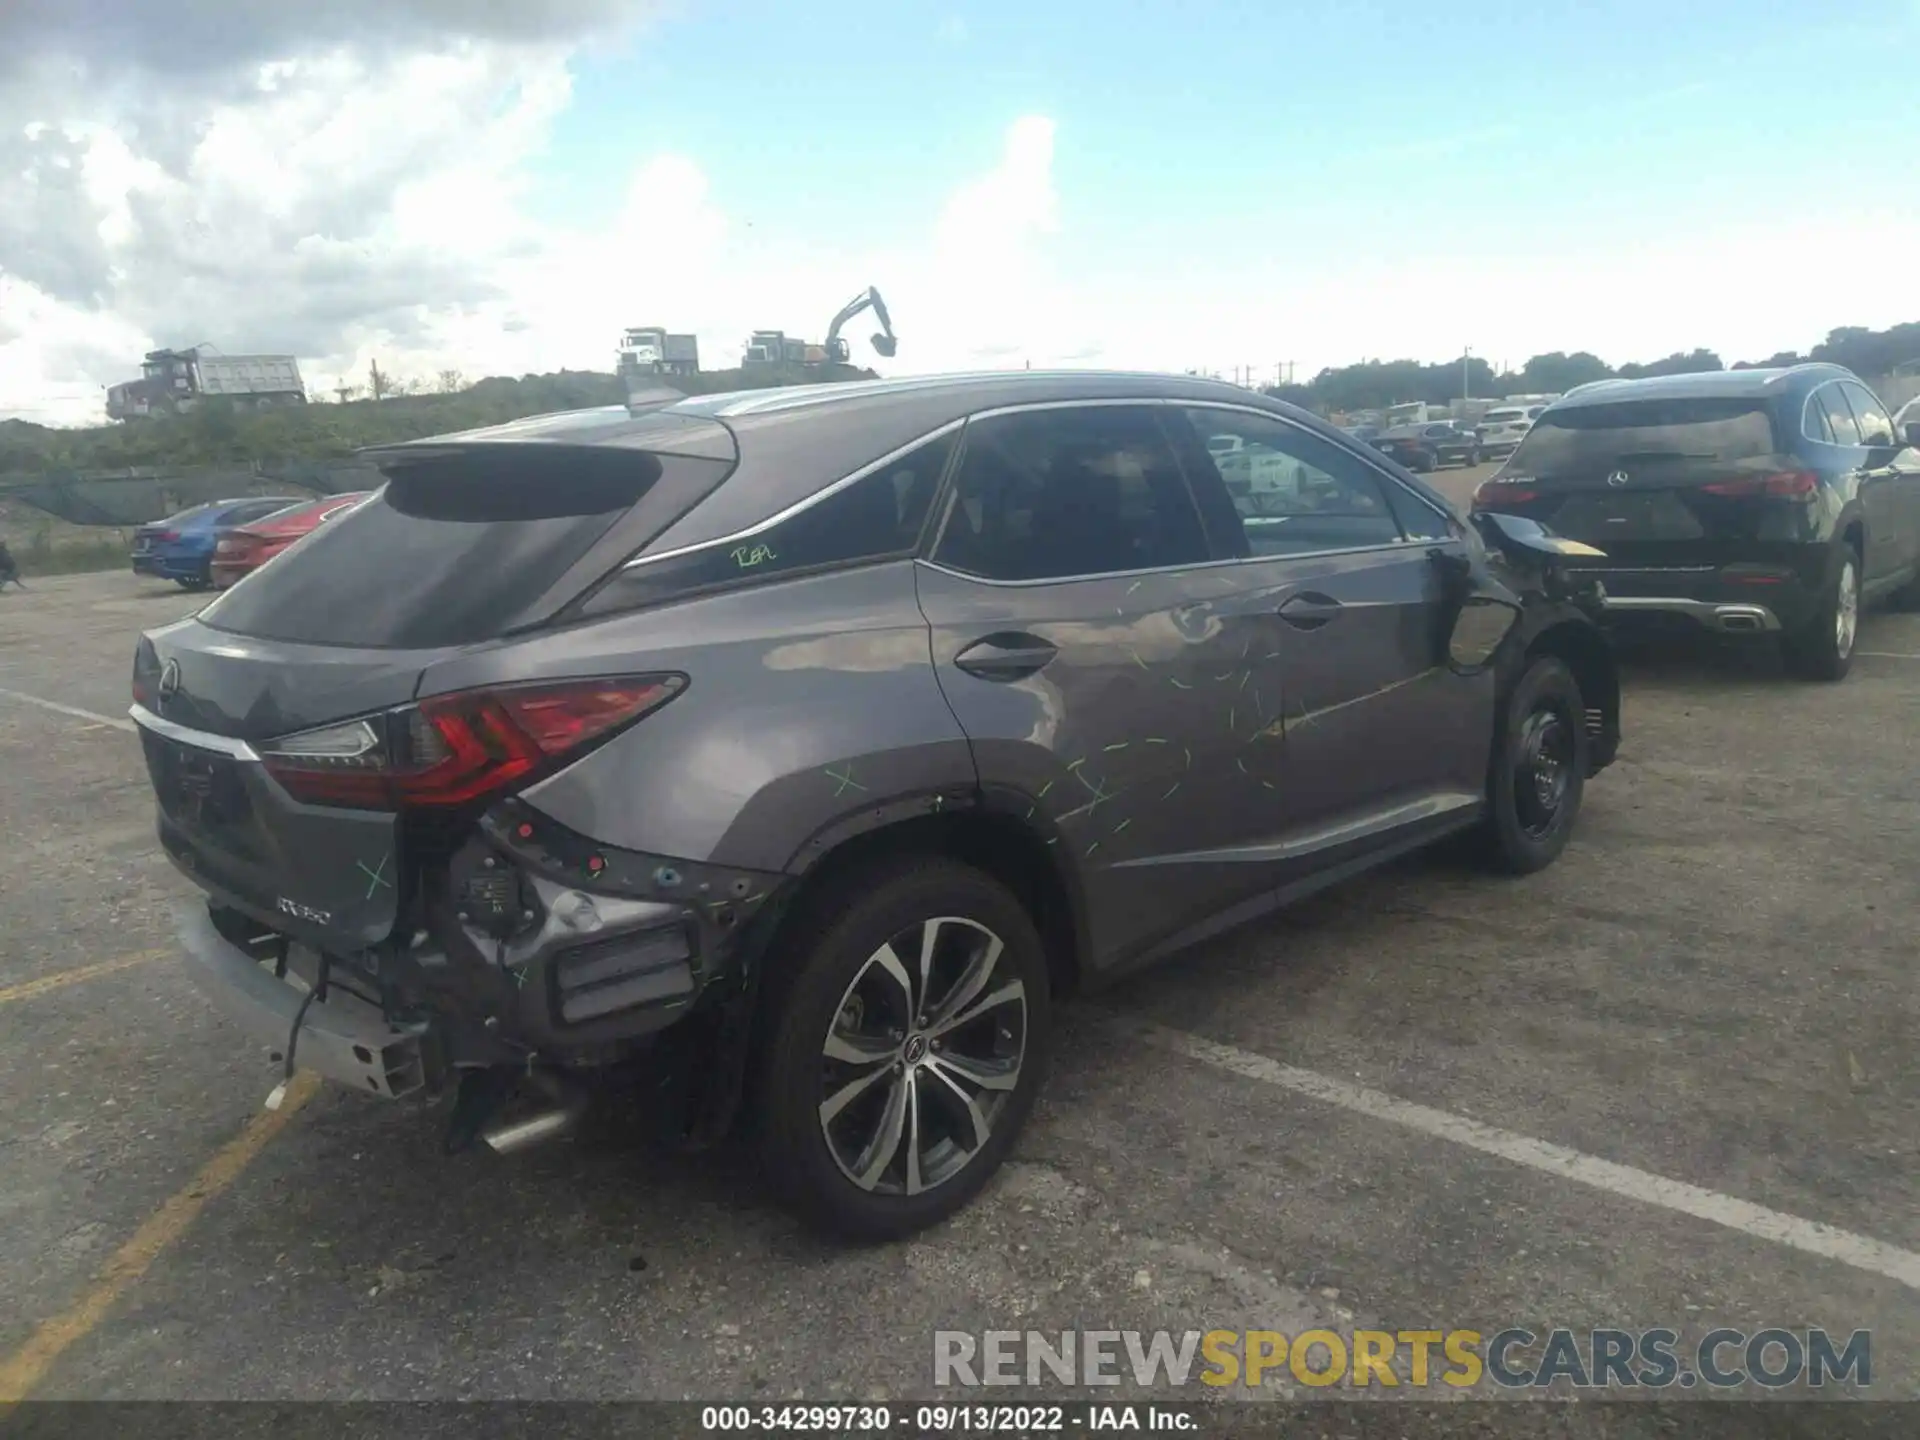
1616 479
169 681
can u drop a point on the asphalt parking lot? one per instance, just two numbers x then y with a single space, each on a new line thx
1714 988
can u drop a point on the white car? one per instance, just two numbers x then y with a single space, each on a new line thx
1909 415
1502 428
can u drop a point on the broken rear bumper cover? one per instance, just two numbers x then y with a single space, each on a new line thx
343 1037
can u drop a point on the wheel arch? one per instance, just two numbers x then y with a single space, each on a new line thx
1586 652
991 839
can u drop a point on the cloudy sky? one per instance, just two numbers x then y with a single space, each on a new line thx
499 186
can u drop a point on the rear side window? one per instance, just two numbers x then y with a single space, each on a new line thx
453 550
1053 494
1813 423
1839 417
878 516
1671 430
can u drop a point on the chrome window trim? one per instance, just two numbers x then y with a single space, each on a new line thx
806 503
1402 544
199 739
1230 560
1020 407
1832 444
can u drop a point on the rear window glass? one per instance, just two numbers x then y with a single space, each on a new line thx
453 550
1677 430
877 516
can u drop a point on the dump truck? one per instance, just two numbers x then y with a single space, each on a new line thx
175 380
652 350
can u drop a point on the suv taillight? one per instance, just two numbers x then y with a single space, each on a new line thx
1786 482
455 748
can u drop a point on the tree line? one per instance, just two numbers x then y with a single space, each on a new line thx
1374 384
214 433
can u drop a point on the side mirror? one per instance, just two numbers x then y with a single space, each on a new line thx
1482 624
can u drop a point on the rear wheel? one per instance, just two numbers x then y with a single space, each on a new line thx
194 582
1822 649
1539 769
907 1048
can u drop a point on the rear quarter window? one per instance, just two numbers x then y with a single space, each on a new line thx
455 549
877 517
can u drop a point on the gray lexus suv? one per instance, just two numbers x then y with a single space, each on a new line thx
797 750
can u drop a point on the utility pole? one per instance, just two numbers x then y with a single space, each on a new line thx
1466 386
378 383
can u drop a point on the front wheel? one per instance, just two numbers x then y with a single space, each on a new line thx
1822 649
1539 769
907 1048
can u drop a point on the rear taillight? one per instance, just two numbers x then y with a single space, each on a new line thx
165 535
1784 482
1491 495
452 749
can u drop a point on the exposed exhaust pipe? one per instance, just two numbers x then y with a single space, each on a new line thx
567 1103
535 1129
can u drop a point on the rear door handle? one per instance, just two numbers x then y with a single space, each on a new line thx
1006 655
1310 611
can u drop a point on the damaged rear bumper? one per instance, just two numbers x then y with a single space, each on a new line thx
341 1037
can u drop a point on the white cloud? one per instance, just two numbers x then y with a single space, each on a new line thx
355 201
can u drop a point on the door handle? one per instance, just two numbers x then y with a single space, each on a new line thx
1310 611
1008 655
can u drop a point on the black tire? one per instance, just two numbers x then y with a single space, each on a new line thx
1823 648
1544 719
836 978
193 582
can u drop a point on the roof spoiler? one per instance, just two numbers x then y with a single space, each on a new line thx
656 397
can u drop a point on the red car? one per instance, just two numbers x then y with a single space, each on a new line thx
242 551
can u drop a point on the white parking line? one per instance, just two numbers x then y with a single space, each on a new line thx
1860 1251
74 711
1888 655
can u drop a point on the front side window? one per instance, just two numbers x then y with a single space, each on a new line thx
1052 494
1876 426
1294 491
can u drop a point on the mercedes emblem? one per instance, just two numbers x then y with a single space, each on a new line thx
1617 479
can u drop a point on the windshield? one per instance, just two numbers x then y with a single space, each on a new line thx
1646 431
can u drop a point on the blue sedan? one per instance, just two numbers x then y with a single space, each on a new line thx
180 548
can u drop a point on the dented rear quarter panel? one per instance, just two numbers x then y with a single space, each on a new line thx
811 712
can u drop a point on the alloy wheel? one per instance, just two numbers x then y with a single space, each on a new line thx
923 1054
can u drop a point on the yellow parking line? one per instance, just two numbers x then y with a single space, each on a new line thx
28 1365
30 988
